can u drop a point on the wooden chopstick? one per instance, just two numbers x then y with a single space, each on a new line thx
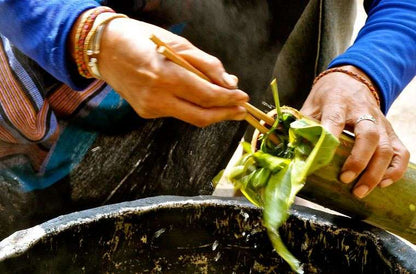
252 121
259 114
170 54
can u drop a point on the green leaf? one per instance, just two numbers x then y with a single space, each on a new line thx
275 93
271 177
261 178
276 212
274 164
217 178
282 250
247 147
323 145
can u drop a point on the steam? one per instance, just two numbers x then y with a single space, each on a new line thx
239 33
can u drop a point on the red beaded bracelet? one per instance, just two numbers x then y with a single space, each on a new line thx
81 33
354 75
93 39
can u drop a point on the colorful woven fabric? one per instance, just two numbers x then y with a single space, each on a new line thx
38 142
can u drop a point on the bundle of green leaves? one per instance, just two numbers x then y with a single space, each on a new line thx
271 175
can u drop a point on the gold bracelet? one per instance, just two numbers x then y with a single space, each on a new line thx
354 75
93 40
81 33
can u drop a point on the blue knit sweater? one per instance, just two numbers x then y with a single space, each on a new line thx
385 48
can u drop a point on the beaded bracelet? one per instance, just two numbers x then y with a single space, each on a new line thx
81 33
93 39
78 34
354 75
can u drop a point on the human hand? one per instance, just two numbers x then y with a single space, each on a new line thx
378 156
156 87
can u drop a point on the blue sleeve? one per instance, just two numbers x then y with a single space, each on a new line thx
40 29
385 48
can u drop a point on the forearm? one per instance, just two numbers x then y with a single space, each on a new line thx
40 29
385 47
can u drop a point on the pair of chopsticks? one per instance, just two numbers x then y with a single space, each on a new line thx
253 112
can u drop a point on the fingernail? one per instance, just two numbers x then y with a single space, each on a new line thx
386 183
230 80
347 176
361 191
241 96
241 114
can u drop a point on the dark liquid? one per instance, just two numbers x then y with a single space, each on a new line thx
194 239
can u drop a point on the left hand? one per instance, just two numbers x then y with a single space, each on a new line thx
378 156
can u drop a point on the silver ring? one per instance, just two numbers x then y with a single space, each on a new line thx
367 117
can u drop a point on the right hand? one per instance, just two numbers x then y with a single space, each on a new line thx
378 157
156 87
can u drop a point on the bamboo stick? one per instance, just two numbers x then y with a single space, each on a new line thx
252 121
169 53
259 114
177 59
392 208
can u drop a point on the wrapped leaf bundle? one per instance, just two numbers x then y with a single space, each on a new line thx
271 175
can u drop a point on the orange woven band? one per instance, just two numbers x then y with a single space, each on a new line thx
354 75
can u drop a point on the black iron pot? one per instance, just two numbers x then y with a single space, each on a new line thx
199 235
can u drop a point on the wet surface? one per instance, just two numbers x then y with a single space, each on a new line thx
199 235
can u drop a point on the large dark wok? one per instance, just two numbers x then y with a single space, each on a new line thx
204 234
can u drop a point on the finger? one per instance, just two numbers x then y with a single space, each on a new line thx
333 119
376 168
190 87
312 106
398 165
366 141
311 111
203 117
208 95
211 66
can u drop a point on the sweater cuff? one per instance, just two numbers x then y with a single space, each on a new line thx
63 67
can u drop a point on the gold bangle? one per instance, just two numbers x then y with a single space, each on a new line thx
93 40
354 75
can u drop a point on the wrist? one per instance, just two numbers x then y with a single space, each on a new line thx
85 39
92 44
372 87
71 45
112 35
356 74
359 72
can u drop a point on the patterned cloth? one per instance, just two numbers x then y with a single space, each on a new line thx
39 143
